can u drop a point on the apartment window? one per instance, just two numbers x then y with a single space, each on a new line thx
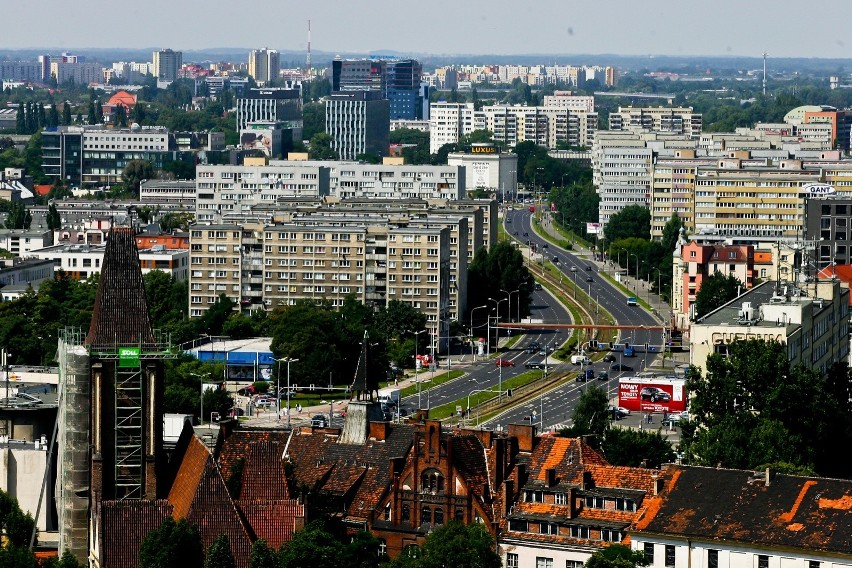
512 560
712 558
541 562
813 563
762 561
531 496
670 555
649 552
573 564
559 499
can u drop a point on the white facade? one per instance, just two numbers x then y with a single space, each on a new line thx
448 122
166 64
83 261
496 172
369 181
622 176
264 65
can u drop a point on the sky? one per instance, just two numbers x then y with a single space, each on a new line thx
783 28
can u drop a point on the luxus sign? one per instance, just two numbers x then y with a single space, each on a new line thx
818 189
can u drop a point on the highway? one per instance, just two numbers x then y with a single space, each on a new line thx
555 407
484 374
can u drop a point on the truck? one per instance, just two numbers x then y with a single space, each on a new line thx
580 360
389 397
173 426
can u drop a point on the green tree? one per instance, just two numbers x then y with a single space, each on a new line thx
627 447
496 272
135 172
172 545
590 416
314 545
313 120
453 544
139 113
576 205
92 116
32 118
53 117
17 216
17 557
632 221
120 118
321 147
66 113
217 400
716 290
219 554
617 556
21 119
262 556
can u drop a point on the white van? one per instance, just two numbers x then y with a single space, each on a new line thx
580 360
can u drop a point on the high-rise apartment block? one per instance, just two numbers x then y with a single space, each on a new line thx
264 65
167 64
675 120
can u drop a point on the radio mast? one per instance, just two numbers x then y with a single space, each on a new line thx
308 62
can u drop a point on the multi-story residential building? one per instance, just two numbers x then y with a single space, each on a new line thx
222 189
158 191
622 174
166 64
215 265
82 261
372 181
566 99
828 222
264 65
358 123
21 242
19 275
20 71
448 122
678 120
77 73
810 319
708 517
270 105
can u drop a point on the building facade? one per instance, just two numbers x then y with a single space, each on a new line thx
677 120
270 105
166 64
264 65
358 123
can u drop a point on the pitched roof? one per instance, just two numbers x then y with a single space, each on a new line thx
724 504
123 527
273 521
189 474
123 98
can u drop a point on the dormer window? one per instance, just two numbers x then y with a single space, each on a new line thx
432 481
533 496
560 499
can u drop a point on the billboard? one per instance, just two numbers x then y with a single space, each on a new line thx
652 394
818 189
593 228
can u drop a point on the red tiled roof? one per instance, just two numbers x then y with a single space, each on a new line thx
273 521
622 477
123 525
188 477
122 98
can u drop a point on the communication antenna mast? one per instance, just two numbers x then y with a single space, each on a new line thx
308 62
764 67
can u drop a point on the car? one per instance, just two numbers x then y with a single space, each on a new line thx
544 245
573 269
588 268
556 259
654 394
505 363
246 391
589 278
264 402
618 412
632 301
537 286
619 367
515 233
609 358
508 219
539 365
319 421
526 234
533 347
629 351
603 376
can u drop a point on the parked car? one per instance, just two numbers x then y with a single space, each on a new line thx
537 286
654 394
618 367
319 421
603 376
618 412
505 363
609 358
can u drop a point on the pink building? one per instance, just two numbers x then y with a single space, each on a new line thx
700 261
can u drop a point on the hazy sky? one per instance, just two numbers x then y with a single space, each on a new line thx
784 28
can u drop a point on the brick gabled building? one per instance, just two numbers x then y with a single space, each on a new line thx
723 518
566 502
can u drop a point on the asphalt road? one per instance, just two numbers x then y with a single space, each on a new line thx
485 374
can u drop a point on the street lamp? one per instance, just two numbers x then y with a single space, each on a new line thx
416 334
472 349
628 263
510 303
287 360
497 302
200 376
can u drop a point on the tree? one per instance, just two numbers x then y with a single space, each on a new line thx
135 172
632 221
313 120
17 218
172 545
496 272
53 117
120 118
262 556
92 116
716 290
453 544
321 147
139 113
66 560
590 416
617 556
314 545
623 446
219 554
21 120
66 113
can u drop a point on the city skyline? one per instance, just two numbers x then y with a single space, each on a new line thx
727 28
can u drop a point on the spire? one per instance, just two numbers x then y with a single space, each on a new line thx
120 315
363 385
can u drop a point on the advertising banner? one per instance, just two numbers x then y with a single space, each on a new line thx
652 394
593 228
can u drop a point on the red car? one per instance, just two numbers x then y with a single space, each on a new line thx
505 363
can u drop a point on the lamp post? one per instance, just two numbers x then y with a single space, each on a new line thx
629 254
416 336
497 303
287 360
471 328
200 376
510 303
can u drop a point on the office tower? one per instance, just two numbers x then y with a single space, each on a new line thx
358 123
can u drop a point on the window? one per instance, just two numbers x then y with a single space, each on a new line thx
813 563
559 499
518 525
460 515
543 562
573 564
439 516
511 560
532 496
406 513
670 555
762 561
649 552
426 515
712 558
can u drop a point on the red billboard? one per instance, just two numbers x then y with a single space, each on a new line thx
652 394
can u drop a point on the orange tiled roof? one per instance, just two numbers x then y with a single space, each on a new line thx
273 521
122 98
188 477
623 477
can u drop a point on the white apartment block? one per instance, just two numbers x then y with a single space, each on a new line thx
678 120
228 189
21 242
576 103
83 260
160 191
372 181
77 73
622 176
448 122
264 65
